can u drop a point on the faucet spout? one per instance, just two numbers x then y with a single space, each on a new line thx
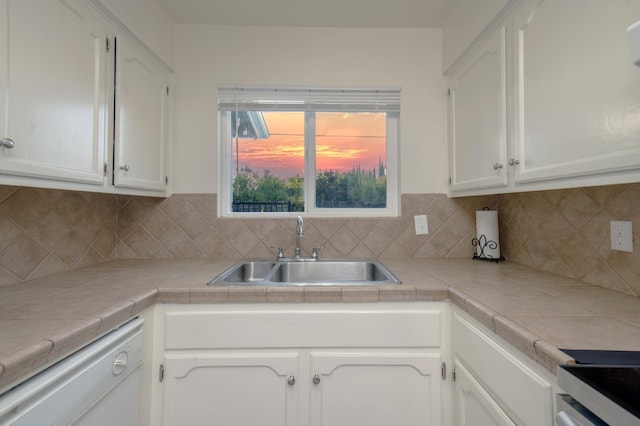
299 233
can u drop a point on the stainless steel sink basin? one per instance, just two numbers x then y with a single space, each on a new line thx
296 272
245 273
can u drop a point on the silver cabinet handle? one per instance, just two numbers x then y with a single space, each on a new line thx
316 379
291 380
125 168
514 162
497 166
7 143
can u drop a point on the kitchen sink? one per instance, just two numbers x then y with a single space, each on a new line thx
304 272
247 272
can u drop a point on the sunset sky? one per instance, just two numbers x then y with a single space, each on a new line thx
343 141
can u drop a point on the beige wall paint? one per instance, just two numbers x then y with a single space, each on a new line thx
208 56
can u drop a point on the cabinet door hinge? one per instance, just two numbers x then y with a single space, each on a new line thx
453 374
443 370
449 92
161 372
167 90
104 168
108 44
166 180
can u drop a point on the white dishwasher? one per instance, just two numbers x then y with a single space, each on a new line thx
98 385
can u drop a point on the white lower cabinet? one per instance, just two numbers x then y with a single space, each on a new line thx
300 365
336 365
495 384
237 388
375 389
473 404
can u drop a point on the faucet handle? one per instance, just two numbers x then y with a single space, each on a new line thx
314 252
280 251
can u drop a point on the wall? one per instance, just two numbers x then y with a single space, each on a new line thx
150 23
44 231
49 231
466 21
567 232
562 231
208 56
186 225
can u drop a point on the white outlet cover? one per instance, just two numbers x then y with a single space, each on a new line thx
422 226
622 235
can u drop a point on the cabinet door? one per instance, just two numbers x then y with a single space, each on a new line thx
521 392
473 405
141 130
231 389
52 90
478 119
577 93
375 389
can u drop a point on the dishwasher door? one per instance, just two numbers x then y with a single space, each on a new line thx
98 385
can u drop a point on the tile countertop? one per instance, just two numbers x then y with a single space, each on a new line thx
43 320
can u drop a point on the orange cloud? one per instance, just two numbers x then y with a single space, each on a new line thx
344 141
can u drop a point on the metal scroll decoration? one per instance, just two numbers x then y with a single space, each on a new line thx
483 243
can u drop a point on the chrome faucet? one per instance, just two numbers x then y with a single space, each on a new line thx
299 233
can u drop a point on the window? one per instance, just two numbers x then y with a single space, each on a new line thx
323 152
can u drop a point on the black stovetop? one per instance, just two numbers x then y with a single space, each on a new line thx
590 356
615 374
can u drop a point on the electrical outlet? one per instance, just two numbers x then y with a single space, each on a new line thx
621 235
422 226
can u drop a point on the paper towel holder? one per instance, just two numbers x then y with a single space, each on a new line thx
482 242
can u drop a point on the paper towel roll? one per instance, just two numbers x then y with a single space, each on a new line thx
487 234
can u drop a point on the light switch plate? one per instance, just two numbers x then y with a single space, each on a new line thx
422 227
622 235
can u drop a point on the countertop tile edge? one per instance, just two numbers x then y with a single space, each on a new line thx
482 313
548 355
25 362
521 338
73 338
115 316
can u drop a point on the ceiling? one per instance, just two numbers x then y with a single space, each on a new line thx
312 13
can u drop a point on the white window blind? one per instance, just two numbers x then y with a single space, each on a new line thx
232 98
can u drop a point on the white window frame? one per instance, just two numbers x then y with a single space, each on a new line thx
225 177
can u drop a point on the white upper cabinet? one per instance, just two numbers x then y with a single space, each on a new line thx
478 118
571 96
52 90
60 127
577 93
141 120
